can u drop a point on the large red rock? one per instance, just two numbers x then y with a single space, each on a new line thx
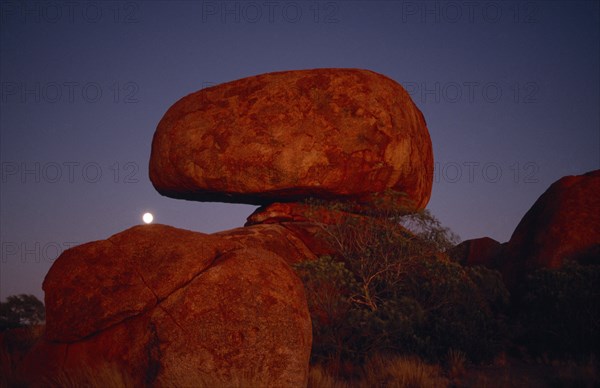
165 306
563 224
327 133
99 284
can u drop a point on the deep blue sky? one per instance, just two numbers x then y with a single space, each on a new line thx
509 88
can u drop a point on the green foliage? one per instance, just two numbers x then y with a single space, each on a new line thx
391 289
490 284
460 315
560 311
331 289
21 310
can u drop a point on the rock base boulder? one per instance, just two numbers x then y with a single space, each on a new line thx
171 307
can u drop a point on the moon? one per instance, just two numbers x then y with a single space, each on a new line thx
148 217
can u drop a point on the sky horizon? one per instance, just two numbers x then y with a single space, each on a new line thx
510 92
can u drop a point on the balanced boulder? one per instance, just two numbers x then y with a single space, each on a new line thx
340 134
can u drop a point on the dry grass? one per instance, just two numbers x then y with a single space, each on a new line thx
198 380
319 377
14 344
572 374
111 376
107 376
379 371
396 372
515 373
400 372
384 371
456 365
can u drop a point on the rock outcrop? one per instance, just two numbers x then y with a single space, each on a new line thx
170 306
339 134
160 306
483 251
562 225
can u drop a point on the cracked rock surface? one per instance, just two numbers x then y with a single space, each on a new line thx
171 306
286 136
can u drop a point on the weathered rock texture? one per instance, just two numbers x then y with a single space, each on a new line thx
174 307
327 133
563 224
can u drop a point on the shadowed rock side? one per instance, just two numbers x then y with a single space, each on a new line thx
479 251
278 212
281 137
174 307
563 224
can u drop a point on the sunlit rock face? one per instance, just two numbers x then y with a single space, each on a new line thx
172 307
281 137
563 224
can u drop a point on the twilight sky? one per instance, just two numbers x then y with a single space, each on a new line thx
510 91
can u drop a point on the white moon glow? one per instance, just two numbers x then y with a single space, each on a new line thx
147 217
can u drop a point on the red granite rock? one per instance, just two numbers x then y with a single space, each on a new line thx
563 224
280 137
165 306
99 284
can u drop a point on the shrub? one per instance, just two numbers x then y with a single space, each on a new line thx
391 289
331 289
560 311
459 314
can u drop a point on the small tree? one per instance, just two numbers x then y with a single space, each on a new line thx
391 288
21 310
